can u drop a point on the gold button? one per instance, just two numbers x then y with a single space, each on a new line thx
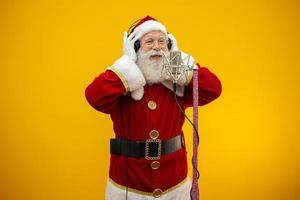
157 193
152 105
154 134
155 165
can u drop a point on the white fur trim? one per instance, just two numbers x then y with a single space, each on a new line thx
138 94
148 26
189 61
189 77
181 193
126 67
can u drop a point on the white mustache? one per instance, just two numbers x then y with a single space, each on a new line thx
154 53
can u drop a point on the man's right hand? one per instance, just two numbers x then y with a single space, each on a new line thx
128 46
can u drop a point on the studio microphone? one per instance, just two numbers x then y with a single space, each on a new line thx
175 57
173 66
175 62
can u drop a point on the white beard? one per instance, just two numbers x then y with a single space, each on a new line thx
152 69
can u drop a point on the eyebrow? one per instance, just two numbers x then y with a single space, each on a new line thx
160 37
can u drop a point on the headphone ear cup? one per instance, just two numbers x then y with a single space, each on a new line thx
169 43
137 45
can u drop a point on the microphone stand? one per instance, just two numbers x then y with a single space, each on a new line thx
173 70
195 187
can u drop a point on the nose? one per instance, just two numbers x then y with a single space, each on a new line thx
156 46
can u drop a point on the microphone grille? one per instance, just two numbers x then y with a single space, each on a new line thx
175 57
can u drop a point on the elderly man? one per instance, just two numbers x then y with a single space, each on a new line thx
148 155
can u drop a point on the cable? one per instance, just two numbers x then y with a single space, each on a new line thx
193 163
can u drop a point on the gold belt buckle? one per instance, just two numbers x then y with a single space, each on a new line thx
153 141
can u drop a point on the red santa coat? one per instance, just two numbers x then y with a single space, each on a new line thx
134 120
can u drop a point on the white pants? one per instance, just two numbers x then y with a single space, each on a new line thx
180 193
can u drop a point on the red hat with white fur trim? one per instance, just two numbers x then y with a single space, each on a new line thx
146 25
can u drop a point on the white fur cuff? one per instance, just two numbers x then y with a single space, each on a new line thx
138 94
128 70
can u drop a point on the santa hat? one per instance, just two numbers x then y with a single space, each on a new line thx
145 25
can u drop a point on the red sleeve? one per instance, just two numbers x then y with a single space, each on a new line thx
103 93
209 86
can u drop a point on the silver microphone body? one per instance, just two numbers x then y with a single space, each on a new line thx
173 66
175 57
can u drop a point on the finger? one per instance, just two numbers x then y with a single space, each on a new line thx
125 37
171 37
132 38
174 41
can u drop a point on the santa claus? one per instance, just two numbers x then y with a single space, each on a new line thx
148 154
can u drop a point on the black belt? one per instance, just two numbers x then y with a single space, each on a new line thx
150 149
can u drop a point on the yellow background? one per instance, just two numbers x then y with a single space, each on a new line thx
54 146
